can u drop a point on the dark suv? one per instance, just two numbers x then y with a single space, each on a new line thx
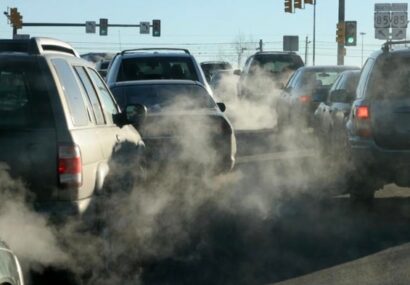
264 71
379 123
60 127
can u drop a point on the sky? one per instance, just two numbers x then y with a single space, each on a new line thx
208 28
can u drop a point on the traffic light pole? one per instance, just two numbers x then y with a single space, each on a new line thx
314 33
341 46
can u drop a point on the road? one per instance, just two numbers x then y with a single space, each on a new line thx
272 220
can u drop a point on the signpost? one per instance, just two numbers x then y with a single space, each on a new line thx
290 43
390 21
145 27
90 27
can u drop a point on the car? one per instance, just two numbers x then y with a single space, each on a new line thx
61 127
331 115
155 64
10 269
183 123
102 67
305 90
210 67
265 71
223 84
378 125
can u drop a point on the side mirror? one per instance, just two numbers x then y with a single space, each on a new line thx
320 95
133 114
136 114
221 106
237 72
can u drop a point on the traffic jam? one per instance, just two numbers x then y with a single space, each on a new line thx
160 164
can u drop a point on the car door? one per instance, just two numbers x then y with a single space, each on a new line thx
115 137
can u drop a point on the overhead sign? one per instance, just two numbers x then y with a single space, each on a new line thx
399 7
90 27
398 20
382 7
390 21
290 43
398 34
145 27
382 33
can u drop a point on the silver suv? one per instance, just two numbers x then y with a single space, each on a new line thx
60 126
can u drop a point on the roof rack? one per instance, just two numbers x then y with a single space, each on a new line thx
154 49
37 46
386 47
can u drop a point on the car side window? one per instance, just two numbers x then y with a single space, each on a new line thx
72 92
364 77
109 106
91 94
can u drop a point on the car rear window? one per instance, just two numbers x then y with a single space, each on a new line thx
391 78
24 97
317 79
156 97
277 63
152 68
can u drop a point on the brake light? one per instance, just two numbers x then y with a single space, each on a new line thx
70 165
363 126
362 112
304 99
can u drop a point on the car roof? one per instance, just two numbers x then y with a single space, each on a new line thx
157 82
154 55
329 67
215 62
275 53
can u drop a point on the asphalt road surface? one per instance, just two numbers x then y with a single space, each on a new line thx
274 219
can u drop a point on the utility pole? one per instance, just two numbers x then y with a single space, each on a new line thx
341 46
362 34
260 46
307 42
314 32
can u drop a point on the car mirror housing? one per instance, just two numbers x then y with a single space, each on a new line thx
132 115
221 106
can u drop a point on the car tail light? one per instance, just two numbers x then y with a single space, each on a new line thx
363 127
304 99
362 112
69 165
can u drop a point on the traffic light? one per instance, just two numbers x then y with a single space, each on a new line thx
310 2
340 33
103 27
156 28
15 18
298 4
350 33
288 6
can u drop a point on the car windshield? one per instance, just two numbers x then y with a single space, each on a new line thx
151 68
168 96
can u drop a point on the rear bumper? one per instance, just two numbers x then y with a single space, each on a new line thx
387 164
60 211
169 151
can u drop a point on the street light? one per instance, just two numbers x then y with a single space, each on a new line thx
362 34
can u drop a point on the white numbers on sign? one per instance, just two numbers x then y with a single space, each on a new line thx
382 20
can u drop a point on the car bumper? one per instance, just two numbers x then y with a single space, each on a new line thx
169 150
387 164
60 211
